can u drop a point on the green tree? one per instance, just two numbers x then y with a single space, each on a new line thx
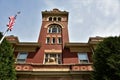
7 69
106 60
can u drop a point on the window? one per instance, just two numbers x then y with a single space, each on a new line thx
52 58
59 30
50 18
54 18
48 40
59 18
22 57
83 57
53 40
54 29
59 40
49 30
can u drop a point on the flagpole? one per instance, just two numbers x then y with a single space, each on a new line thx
10 25
4 36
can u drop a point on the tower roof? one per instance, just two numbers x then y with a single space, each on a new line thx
55 11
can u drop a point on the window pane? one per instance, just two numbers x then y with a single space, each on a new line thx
59 30
59 55
59 18
83 56
54 18
49 30
48 40
46 60
50 18
59 61
59 41
53 40
53 58
46 55
53 55
22 57
54 30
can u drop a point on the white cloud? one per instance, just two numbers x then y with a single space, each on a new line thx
107 29
114 28
50 4
87 2
107 21
93 18
108 6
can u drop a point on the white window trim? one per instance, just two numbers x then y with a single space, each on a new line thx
50 28
47 42
52 40
19 55
57 61
59 41
86 59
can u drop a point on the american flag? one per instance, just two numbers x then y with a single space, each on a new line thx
12 21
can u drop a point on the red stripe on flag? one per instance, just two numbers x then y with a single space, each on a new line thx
11 22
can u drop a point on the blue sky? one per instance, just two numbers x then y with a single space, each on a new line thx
87 18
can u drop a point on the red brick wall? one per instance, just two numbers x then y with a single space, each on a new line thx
69 58
90 57
44 78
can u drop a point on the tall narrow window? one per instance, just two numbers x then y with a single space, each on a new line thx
54 18
50 18
22 56
48 40
53 40
59 60
59 40
83 57
51 58
59 18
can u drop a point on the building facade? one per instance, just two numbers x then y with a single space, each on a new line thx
53 57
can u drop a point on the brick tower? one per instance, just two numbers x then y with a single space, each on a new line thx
53 36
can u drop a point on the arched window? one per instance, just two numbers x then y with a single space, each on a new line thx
59 18
50 18
54 19
54 29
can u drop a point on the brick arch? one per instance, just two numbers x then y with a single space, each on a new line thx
47 25
59 28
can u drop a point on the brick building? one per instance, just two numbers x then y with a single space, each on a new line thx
53 57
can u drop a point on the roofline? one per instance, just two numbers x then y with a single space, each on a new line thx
76 44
